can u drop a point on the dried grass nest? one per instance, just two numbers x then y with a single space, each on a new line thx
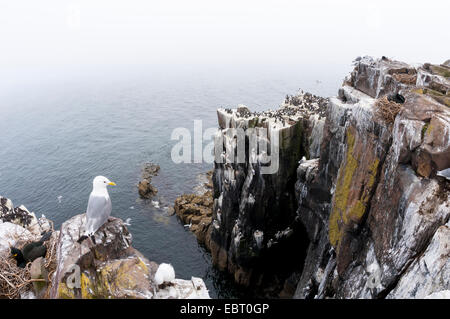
387 110
15 281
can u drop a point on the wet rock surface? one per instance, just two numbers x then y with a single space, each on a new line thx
195 211
145 188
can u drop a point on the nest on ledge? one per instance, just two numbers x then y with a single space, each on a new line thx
16 281
387 110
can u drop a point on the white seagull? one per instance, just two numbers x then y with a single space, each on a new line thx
99 205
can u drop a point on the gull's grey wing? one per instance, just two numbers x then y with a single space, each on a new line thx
444 173
98 211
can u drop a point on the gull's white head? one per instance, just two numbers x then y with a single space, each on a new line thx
101 182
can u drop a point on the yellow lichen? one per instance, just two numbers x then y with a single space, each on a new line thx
342 191
64 292
86 287
342 213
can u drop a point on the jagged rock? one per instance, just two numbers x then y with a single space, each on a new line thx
22 217
196 211
145 188
13 235
356 249
430 273
254 220
185 289
368 238
108 266
369 204
377 78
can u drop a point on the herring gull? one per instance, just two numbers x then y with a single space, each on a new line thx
99 206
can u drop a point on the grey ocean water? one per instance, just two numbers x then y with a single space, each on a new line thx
58 133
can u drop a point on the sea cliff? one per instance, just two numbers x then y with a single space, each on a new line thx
356 208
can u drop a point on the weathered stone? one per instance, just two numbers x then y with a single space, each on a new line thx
380 251
23 217
107 265
145 188
254 214
13 235
40 274
430 273
196 210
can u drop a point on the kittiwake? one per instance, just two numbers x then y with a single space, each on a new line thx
99 206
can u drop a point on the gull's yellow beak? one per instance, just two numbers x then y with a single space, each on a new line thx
112 184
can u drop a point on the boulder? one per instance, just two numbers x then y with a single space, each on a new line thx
145 188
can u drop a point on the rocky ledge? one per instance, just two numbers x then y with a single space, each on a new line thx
195 211
105 266
356 208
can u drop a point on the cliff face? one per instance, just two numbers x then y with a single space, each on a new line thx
363 214
255 226
388 209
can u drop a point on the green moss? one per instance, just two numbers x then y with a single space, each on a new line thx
424 130
443 100
253 122
442 71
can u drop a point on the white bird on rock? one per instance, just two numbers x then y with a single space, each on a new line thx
164 274
99 206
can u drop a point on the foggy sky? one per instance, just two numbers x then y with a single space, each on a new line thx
60 36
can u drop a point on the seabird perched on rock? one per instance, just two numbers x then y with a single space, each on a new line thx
31 251
99 206
164 274
444 173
